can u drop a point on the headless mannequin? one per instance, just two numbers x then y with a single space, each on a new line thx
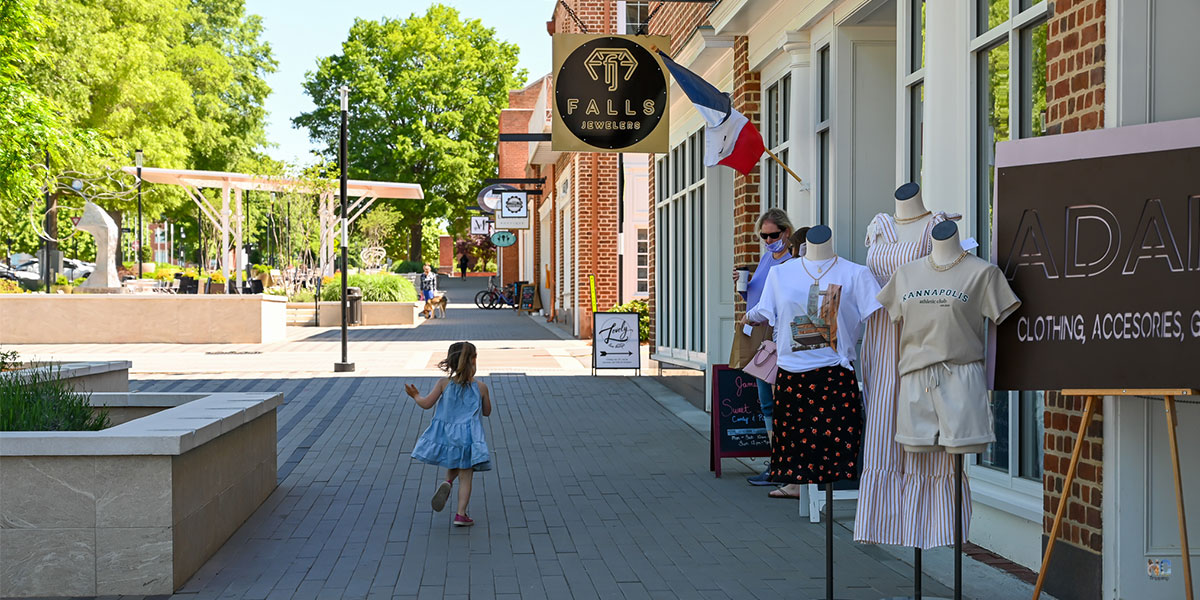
947 248
819 244
911 215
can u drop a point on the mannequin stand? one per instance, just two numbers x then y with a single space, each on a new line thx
828 542
958 525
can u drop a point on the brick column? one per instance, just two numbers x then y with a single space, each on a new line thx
746 210
1075 50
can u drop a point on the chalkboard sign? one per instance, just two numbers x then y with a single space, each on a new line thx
528 296
738 429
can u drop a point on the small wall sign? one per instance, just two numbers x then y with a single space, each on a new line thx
504 239
480 225
513 210
610 94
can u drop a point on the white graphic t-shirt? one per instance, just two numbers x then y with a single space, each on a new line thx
945 313
816 325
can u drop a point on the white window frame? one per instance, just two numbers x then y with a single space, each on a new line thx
642 236
912 78
680 313
1005 490
622 22
823 155
777 117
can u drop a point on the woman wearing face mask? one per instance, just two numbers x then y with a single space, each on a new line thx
774 228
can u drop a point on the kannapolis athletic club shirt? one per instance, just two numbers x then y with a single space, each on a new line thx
944 313
816 326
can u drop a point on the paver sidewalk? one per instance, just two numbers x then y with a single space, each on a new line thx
597 492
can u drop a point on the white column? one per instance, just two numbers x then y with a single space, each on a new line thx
802 140
949 164
237 257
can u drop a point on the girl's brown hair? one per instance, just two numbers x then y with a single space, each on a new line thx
799 237
459 363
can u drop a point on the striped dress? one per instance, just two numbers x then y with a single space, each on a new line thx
904 499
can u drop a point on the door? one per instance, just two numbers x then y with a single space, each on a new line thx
865 164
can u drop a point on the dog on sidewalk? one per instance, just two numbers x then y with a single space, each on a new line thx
438 304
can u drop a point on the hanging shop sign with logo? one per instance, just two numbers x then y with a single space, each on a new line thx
1099 235
615 342
513 210
610 94
489 197
481 226
504 239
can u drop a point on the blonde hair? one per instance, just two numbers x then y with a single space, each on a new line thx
778 217
459 363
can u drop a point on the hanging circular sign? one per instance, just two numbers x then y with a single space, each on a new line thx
489 197
503 239
609 93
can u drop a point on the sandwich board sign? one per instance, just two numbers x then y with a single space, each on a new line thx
480 225
513 211
615 343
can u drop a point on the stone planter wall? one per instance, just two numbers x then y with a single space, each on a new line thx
142 318
137 508
374 313
98 376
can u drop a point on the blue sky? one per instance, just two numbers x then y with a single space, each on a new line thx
300 31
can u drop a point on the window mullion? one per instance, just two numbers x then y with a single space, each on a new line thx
990 38
1015 105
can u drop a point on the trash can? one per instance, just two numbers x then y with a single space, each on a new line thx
354 295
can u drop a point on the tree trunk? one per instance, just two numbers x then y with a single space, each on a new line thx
414 241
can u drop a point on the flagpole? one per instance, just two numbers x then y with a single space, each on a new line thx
784 165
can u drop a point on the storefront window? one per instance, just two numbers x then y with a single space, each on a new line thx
1033 79
643 260
992 127
823 56
775 192
679 244
989 14
635 16
824 149
916 48
916 125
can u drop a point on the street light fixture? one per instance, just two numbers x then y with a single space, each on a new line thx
345 365
137 254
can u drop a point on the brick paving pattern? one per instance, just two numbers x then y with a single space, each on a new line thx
597 492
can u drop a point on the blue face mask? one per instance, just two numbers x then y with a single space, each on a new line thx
776 246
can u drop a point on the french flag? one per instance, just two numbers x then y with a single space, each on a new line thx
730 138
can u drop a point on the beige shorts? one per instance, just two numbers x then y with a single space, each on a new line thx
944 405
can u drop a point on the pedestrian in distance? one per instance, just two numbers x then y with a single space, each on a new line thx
428 287
462 265
455 439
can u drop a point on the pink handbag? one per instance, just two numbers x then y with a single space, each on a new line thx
763 364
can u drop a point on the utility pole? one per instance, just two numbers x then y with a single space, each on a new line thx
345 365
49 226
137 255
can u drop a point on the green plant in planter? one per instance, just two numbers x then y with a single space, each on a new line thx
302 295
643 310
10 287
61 279
216 277
39 400
380 287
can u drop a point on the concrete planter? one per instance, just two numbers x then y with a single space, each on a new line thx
142 318
137 508
99 376
374 313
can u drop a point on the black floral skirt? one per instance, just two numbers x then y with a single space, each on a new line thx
818 426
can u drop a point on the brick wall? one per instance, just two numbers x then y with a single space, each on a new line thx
1075 90
1075 64
746 98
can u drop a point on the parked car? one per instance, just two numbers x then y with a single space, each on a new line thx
72 269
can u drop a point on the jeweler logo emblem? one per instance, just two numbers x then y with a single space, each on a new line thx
610 94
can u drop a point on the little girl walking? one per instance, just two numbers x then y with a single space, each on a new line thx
455 440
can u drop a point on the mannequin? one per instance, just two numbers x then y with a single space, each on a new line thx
947 247
911 216
819 241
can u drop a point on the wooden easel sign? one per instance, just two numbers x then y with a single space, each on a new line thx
616 343
738 429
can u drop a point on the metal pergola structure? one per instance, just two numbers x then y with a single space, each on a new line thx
366 192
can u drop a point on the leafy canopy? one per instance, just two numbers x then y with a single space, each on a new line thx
425 99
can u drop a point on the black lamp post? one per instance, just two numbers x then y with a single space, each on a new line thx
137 255
345 365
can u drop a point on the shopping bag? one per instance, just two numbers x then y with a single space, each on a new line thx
763 364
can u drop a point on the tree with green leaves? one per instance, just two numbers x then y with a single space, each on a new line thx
425 99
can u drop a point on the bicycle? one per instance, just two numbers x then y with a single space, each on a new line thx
496 297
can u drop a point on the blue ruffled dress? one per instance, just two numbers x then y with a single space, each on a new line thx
455 440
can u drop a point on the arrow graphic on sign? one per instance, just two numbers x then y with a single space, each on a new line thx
606 353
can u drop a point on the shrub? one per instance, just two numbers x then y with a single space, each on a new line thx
275 291
8 286
261 268
380 287
38 400
302 295
408 266
9 360
643 310
216 277
61 279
